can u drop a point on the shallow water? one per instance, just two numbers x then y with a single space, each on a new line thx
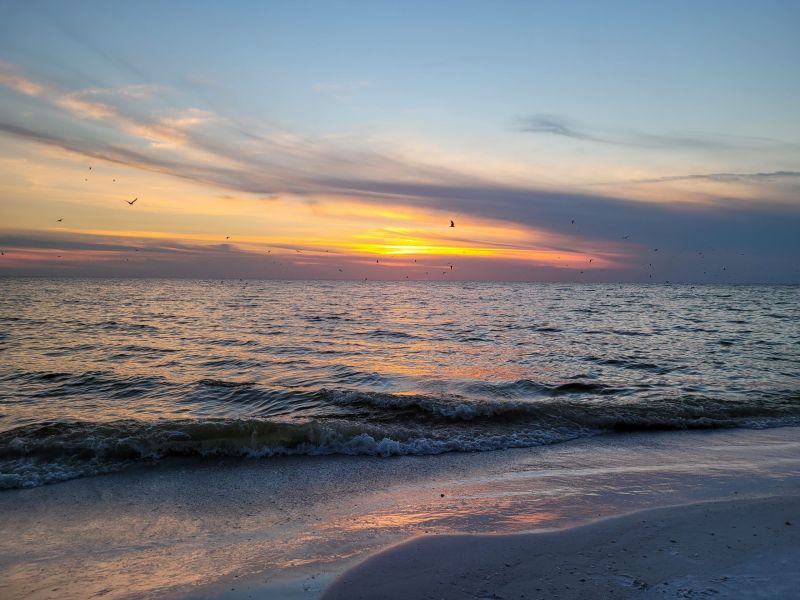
99 374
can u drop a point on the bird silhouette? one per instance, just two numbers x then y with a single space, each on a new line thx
59 220
131 202
452 224
573 221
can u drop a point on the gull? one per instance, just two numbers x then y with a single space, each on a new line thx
451 223
131 202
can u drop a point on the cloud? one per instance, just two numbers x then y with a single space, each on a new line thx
725 177
555 125
205 148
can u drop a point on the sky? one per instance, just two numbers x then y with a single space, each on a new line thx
566 141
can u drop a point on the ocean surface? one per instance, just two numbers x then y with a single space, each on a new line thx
98 375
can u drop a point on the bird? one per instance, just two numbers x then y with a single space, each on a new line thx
377 261
90 168
451 267
573 221
227 237
451 223
591 259
59 220
131 202
626 237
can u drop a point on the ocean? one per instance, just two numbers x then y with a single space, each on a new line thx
97 376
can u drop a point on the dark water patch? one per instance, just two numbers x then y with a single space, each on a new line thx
231 362
225 384
391 335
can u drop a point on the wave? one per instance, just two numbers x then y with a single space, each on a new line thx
380 425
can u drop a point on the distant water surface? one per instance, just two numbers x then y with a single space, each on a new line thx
99 374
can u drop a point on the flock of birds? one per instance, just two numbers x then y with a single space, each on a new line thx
377 261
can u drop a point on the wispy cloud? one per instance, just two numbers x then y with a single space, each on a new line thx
725 177
560 126
20 84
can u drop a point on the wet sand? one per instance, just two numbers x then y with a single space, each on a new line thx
285 528
748 548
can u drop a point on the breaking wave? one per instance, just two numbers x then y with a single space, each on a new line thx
374 424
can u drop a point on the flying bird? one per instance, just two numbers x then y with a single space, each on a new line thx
452 224
573 221
59 220
131 202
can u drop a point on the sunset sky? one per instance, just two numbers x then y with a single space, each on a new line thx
568 141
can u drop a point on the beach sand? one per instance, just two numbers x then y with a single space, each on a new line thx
286 528
747 548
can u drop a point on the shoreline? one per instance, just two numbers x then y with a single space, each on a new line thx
287 527
742 548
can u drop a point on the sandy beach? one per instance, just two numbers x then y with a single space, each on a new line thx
287 528
746 548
